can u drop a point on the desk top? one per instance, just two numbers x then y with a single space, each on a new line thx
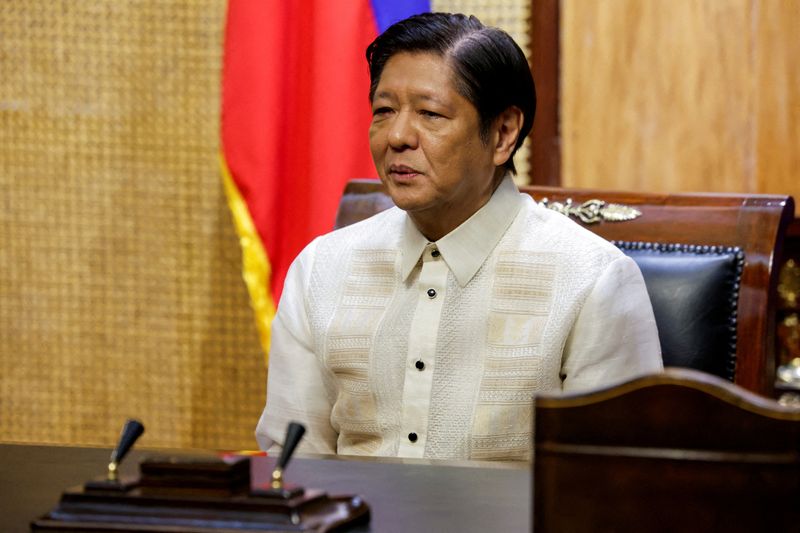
404 495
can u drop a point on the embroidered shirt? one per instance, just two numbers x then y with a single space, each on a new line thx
387 344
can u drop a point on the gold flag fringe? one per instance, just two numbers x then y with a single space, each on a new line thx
256 269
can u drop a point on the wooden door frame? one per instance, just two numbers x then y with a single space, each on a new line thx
545 139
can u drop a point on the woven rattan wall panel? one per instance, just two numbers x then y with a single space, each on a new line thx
514 17
120 285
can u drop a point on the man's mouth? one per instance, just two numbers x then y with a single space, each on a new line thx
403 172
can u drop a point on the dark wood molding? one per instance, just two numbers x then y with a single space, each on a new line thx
725 460
545 139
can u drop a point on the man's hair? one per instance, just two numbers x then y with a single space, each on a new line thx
490 69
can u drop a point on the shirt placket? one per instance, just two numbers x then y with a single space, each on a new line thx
421 360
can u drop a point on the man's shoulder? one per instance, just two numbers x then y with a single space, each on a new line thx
326 258
546 230
378 231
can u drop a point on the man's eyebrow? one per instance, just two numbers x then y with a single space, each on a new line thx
432 98
424 97
384 94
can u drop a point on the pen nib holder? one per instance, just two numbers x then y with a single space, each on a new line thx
119 485
131 432
287 492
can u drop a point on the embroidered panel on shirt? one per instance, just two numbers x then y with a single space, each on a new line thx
388 367
521 302
459 363
505 447
371 280
368 289
521 287
348 359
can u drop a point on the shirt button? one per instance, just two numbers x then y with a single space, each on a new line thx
435 253
420 365
412 437
431 293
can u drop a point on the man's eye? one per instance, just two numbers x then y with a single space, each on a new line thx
381 111
430 114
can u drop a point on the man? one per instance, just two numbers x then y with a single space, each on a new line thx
425 330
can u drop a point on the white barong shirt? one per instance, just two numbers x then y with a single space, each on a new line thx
386 344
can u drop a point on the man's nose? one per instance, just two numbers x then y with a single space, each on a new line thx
403 132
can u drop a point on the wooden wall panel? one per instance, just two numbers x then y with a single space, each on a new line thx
686 95
545 137
778 100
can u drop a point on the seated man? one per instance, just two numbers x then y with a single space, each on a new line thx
425 330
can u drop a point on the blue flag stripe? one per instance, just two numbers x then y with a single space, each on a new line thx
387 12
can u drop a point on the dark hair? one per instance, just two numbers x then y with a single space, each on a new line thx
491 70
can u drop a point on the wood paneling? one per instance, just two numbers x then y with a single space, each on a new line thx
545 138
686 95
778 97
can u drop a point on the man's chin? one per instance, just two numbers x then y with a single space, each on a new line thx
405 197
409 203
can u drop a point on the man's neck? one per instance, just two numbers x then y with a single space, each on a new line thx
435 224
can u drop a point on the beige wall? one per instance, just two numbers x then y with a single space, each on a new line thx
681 95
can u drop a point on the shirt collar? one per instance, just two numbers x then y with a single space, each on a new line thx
468 246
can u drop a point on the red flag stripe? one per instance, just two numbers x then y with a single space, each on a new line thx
295 115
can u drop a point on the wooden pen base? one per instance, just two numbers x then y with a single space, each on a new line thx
82 510
199 495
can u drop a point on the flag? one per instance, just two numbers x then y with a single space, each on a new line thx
294 128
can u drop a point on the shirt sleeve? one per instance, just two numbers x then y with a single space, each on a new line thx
614 337
299 387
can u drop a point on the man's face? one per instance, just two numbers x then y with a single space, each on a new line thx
426 146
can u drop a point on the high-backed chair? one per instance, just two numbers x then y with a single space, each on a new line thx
709 261
678 451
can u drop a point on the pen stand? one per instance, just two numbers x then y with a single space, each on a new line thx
201 495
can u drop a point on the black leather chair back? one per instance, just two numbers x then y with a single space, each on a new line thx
695 292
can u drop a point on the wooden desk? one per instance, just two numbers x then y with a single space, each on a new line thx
403 495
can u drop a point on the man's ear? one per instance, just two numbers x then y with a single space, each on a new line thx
506 128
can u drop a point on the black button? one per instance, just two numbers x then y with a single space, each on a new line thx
431 293
420 365
412 437
435 253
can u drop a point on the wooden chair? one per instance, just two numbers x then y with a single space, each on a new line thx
678 451
738 238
